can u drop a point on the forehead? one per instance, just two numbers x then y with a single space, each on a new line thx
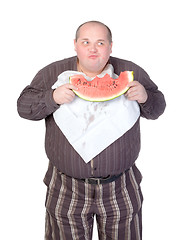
93 30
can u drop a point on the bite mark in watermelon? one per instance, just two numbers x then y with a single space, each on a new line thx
101 89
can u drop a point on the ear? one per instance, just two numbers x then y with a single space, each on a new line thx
75 43
111 47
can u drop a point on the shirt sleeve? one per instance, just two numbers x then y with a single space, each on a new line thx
155 104
36 100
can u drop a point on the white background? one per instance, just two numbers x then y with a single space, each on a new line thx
154 35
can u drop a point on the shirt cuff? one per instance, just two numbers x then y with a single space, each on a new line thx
147 106
49 101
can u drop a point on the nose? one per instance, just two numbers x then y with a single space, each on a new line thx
93 48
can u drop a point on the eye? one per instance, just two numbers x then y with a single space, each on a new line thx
85 42
100 43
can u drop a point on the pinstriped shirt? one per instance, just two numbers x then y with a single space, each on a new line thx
36 103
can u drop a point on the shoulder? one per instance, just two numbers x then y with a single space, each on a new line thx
50 73
62 65
121 65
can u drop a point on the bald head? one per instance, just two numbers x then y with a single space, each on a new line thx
109 34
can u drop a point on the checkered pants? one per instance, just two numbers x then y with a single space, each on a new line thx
71 205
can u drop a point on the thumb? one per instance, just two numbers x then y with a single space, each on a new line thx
132 84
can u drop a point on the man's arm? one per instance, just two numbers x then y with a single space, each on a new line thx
136 92
154 106
146 93
36 100
155 103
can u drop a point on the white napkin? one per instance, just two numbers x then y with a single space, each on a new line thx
90 127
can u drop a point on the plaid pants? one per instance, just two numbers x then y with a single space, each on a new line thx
71 205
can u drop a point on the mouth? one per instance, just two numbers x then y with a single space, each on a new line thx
93 56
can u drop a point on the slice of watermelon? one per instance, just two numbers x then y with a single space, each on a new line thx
101 89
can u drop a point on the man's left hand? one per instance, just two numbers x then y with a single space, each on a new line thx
136 92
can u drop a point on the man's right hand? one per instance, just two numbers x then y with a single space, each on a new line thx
64 93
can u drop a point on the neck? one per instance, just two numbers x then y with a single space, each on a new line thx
88 73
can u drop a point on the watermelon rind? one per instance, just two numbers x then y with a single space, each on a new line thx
124 90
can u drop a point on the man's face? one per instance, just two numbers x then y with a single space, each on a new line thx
93 48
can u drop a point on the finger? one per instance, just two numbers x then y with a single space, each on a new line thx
71 86
133 97
72 94
132 94
132 84
131 90
69 97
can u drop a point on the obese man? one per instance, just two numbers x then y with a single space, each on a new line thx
91 174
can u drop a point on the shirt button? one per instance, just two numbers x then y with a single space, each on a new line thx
95 169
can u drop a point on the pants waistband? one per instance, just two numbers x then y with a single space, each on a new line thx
108 179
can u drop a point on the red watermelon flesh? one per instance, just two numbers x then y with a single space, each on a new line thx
101 89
